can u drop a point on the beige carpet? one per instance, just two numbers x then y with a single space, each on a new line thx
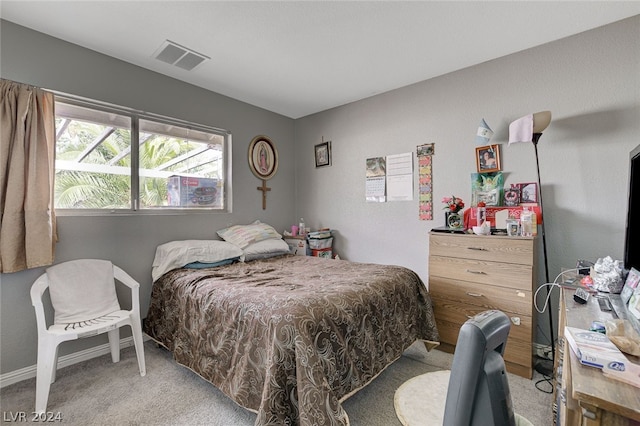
99 393
411 399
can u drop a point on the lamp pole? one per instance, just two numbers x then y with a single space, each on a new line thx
541 368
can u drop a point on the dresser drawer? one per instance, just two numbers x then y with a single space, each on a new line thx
508 300
456 313
491 248
517 351
499 274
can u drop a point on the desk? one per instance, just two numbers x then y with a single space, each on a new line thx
587 398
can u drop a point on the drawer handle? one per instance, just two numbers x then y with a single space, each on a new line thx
474 294
588 414
476 272
477 248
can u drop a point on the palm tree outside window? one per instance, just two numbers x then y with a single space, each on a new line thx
108 158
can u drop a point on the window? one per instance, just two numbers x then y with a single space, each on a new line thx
114 159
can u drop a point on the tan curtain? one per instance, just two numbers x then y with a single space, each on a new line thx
27 149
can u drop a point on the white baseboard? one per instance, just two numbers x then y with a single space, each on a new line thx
63 361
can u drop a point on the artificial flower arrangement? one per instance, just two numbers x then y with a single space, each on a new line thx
453 204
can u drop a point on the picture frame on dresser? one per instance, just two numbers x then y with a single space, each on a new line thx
512 196
528 192
630 285
634 304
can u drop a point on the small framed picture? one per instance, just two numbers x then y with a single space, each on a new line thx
323 154
513 227
488 158
630 285
528 192
512 196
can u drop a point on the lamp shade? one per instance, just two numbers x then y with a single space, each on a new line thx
541 121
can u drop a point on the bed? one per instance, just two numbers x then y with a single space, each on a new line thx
289 337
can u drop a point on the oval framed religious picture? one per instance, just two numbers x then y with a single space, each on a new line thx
263 157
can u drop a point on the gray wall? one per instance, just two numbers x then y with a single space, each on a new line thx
130 241
590 82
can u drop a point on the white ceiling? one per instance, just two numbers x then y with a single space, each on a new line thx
300 57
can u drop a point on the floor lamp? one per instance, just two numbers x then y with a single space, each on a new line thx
529 129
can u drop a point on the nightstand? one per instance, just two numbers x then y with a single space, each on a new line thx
297 245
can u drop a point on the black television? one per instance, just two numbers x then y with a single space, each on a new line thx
478 392
632 233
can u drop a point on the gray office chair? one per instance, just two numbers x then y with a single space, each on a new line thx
478 392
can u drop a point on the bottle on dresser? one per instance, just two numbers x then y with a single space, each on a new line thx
526 222
301 228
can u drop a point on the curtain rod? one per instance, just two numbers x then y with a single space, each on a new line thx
119 108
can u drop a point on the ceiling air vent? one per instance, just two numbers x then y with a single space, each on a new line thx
174 54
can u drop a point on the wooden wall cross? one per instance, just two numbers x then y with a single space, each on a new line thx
264 190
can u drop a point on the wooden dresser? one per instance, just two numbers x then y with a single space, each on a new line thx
469 274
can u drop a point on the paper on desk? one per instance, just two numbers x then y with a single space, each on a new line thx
592 348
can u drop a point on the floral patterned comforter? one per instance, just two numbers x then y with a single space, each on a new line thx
290 337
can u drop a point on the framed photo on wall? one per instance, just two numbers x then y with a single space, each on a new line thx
323 154
488 158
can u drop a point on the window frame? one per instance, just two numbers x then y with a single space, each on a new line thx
135 116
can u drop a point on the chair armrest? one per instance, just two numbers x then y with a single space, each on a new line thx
126 279
37 290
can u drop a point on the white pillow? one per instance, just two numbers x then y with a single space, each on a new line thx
264 249
81 290
176 254
243 235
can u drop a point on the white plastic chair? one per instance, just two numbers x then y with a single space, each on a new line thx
83 295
